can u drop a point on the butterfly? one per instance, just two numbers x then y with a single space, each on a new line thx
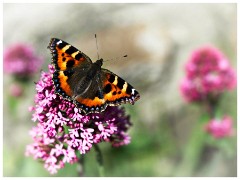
89 86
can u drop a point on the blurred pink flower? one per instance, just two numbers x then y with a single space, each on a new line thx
220 128
21 60
16 90
62 131
208 73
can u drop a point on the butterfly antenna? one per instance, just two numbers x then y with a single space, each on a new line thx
117 58
96 45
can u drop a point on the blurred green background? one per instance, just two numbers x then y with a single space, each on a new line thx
166 138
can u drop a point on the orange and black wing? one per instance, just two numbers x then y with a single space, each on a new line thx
116 90
65 59
107 89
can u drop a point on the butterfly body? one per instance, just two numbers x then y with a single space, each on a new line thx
82 79
91 87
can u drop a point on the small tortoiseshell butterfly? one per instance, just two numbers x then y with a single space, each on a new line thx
85 83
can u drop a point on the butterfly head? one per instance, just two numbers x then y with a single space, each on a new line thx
99 62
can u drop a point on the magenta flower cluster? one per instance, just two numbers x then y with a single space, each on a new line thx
62 132
208 74
21 60
220 128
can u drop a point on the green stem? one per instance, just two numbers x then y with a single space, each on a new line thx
81 166
193 149
99 160
13 103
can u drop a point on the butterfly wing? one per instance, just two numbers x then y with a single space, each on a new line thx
66 56
106 89
66 59
116 90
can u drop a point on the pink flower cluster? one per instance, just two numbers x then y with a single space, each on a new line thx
208 74
62 132
21 60
220 128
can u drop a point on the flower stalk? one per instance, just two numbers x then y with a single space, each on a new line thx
80 167
99 158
